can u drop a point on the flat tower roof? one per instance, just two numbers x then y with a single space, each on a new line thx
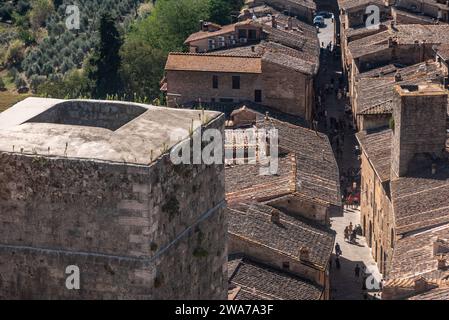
126 132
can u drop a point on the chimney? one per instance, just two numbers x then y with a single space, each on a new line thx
304 254
420 285
201 25
419 114
393 25
274 23
253 48
290 23
275 216
441 262
397 77
267 116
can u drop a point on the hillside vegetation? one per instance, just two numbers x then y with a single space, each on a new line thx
118 51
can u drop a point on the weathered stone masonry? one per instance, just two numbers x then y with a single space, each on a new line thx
135 231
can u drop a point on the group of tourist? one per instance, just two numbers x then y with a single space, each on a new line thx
349 182
351 233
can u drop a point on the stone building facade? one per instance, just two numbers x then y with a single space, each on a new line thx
108 200
275 68
404 197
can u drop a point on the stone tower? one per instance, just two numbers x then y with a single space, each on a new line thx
419 135
88 188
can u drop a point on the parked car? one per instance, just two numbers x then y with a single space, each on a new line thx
318 21
325 14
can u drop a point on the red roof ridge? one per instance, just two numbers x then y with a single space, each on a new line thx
214 55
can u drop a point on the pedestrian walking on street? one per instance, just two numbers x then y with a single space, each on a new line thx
350 227
357 271
338 251
346 233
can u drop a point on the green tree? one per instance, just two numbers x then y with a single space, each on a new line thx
41 10
15 53
171 22
142 68
150 40
220 11
105 62
75 84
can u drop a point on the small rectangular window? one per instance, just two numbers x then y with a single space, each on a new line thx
252 34
258 96
236 82
215 82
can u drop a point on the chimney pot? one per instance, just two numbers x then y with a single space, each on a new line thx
275 216
273 22
441 262
304 254
420 285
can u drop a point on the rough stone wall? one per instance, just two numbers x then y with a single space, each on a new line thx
373 121
192 86
86 113
283 89
304 207
377 212
420 127
287 90
135 232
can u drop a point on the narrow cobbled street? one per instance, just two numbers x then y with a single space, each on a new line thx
335 119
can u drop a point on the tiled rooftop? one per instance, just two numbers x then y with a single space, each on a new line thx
316 168
421 200
350 4
402 34
443 51
377 147
244 182
213 63
296 49
375 87
249 280
309 169
434 294
304 3
414 255
253 222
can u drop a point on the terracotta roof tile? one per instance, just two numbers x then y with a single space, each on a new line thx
255 281
213 63
253 222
